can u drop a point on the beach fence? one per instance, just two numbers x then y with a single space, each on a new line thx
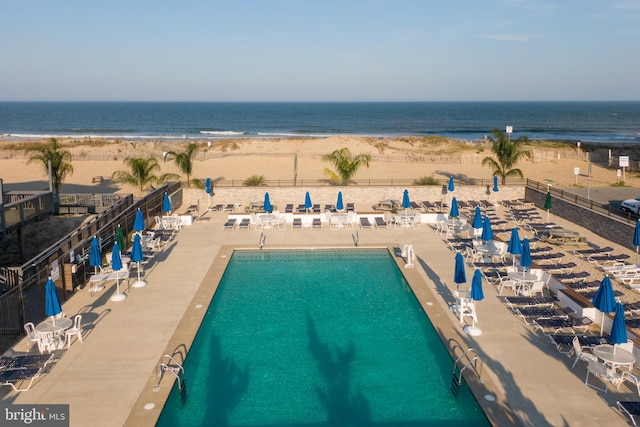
22 294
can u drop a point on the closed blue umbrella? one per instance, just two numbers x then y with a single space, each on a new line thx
339 204
266 205
207 186
487 233
166 203
514 247
476 295
619 328
604 299
307 201
477 218
95 258
137 256
138 222
51 301
459 274
454 213
525 256
406 202
476 286
636 239
116 265
451 186
495 184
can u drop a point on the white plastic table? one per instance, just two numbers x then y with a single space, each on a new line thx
614 356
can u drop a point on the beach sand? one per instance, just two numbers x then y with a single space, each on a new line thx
401 159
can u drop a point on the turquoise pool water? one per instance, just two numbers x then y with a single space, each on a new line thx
317 337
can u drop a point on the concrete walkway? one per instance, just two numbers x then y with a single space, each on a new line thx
106 379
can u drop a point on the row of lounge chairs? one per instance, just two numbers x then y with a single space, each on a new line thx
20 371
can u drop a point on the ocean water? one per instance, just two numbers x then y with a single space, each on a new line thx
603 122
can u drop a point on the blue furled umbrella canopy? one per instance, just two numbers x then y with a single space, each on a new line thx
459 274
451 186
166 203
307 201
51 301
618 329
476 286
95 258
514 247
487 233
454 212
604 299
636 239
477 218
138 222
495 184
266 205
116 265
406 202
207 186
339 204
137 256
525 256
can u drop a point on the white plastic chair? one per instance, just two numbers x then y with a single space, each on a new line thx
608 375
46 342
33 336
582 353
76 330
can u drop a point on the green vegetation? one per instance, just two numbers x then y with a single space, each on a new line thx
60 160
142 173
345 164
255 181
507 154
425 180
184 160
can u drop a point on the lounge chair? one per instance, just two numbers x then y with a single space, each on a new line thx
565 278
631 408
380 222
603 260
297 223
559 268
521 301
18 376
316 223
25 361
585 253
365 223
245 223
288 208
231 223
217 207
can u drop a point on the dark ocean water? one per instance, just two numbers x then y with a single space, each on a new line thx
613 122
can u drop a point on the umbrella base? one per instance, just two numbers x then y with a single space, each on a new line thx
118 297
139 283
474 331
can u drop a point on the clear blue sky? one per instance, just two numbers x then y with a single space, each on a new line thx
320 50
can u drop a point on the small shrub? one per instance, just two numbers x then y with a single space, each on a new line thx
425 180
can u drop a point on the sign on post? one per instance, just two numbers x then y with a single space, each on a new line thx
623 162
576 172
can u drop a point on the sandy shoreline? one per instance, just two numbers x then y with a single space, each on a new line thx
402 158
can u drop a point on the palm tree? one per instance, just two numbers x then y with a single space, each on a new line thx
345 164
60 160
142 173
507 154
184 160
255 181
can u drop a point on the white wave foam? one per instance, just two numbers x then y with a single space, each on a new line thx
297 135
221 132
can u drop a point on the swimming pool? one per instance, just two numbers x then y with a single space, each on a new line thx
311 337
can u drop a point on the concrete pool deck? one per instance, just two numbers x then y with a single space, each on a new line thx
109 378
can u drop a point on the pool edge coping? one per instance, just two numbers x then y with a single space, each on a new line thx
497 412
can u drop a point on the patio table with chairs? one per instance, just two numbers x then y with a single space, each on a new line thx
614 356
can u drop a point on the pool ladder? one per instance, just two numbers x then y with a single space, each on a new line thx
169 364
468 358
